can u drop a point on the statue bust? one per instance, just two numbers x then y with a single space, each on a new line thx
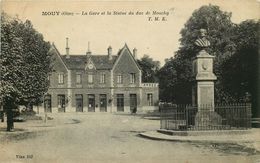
202 42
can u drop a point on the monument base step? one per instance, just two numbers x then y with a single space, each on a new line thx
211 127
203 132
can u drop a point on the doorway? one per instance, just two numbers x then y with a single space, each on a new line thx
133 102
47 104
103 102
91 103
79 103
120 102
61 103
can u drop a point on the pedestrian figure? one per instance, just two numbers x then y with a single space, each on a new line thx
134 110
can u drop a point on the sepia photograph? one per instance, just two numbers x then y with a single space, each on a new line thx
130 81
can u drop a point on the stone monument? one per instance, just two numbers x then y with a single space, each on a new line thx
203 87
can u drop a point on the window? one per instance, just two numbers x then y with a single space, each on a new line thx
49 78
90 78
102 78
47 103
79 102
78 78
61 103
61 78
132 78
119 79
150 99
120 102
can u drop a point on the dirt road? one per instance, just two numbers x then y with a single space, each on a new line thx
105 137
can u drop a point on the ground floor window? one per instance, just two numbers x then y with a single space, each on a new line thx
103 102
91 102
79 102
61 103
150 99
47 103
120 102
133 103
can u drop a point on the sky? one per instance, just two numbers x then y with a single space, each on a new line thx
158 39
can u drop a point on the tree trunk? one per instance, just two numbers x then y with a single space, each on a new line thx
2 116
10 121
9 105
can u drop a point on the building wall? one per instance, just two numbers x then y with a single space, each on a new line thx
145 103
110 88
85 93
96 79
58 67
125 66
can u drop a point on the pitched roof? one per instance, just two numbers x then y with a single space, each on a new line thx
79 61
127 48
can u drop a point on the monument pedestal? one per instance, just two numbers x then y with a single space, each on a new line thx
206 119
203 92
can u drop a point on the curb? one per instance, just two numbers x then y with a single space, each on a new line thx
153 135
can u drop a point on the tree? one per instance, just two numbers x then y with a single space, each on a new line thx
36 62
11 67
24 65
240 71
167 82
220 32
149 69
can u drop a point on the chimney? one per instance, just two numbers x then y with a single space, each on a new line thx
135 53
88 52
109 52
67 48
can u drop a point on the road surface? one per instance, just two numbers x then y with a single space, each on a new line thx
105 137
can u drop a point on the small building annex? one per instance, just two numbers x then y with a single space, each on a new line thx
98 83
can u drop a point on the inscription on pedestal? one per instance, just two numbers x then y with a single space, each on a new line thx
207 119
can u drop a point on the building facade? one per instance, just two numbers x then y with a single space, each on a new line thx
98 83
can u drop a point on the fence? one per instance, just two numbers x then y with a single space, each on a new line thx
205 117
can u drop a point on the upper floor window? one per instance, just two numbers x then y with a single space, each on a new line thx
132 77
49 77
119 79
102 78
150 99
90 78
78 78
61 78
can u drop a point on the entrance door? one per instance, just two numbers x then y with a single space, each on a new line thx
61 103
91 103
79 103
103 102
47 103
120 102
133 102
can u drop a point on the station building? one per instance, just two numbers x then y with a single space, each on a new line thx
98 83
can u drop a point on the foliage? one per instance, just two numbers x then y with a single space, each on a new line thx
25 62
149 68
241 70
36 64
167 76
11 59
219 27
235 50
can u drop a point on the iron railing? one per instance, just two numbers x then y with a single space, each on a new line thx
205 117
